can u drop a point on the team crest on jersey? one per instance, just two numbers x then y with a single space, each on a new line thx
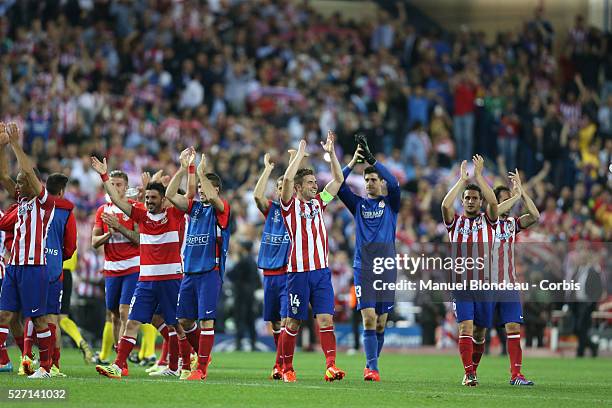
381 204
294 310
509 226
277 216
25 208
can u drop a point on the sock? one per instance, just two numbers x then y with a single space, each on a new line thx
107 341
207 339
149 335
56 356
45 348
185 351
193 337
4 357
380 337
466 349
163 358
278 340
126 344
289 338
70 328
19 341
173 350
370 345
513 342
477 351
328 344
4 331
53 341
28 338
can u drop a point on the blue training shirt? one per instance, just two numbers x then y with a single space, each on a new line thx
275 240
207 239
375 218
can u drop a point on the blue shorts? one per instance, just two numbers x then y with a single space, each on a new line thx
119 290
275 297
151 294
25 289
198 296
480 312
54 296
510 310
314 287
380 302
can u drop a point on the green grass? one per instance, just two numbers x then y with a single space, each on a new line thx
241 379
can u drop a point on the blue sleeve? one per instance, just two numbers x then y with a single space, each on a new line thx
393 187
348 198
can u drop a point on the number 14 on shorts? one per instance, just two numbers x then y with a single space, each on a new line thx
294 302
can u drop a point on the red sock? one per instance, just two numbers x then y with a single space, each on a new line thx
4 331
288 346
466 349
19 342
193 336
328 344
278 340
207 339
478 349
173 350
513 344
185 351
163 358
53 329
4 357
45 348
28 338
126 344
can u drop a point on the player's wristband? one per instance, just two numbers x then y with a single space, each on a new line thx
191 169
104 177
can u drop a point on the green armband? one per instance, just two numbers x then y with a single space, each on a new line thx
326 197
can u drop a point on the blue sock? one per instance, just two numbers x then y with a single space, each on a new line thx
381 340
369 345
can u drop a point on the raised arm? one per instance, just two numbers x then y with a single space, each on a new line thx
5 177
102 169
487 191
191 180
180 201
209 190
262 182
291 171
533 215
334 185
448 203
24 161
393 187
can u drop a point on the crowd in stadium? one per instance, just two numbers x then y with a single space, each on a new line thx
139 81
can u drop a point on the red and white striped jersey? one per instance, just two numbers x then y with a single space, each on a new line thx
502 263
31 226
2 237
472 238
121 256
304 222
160 243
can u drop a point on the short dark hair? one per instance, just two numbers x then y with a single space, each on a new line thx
301 173
498 190
157 187
119 174
214 179
56 182
371 170
473 187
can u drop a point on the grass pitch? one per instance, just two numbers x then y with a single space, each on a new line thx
241 379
